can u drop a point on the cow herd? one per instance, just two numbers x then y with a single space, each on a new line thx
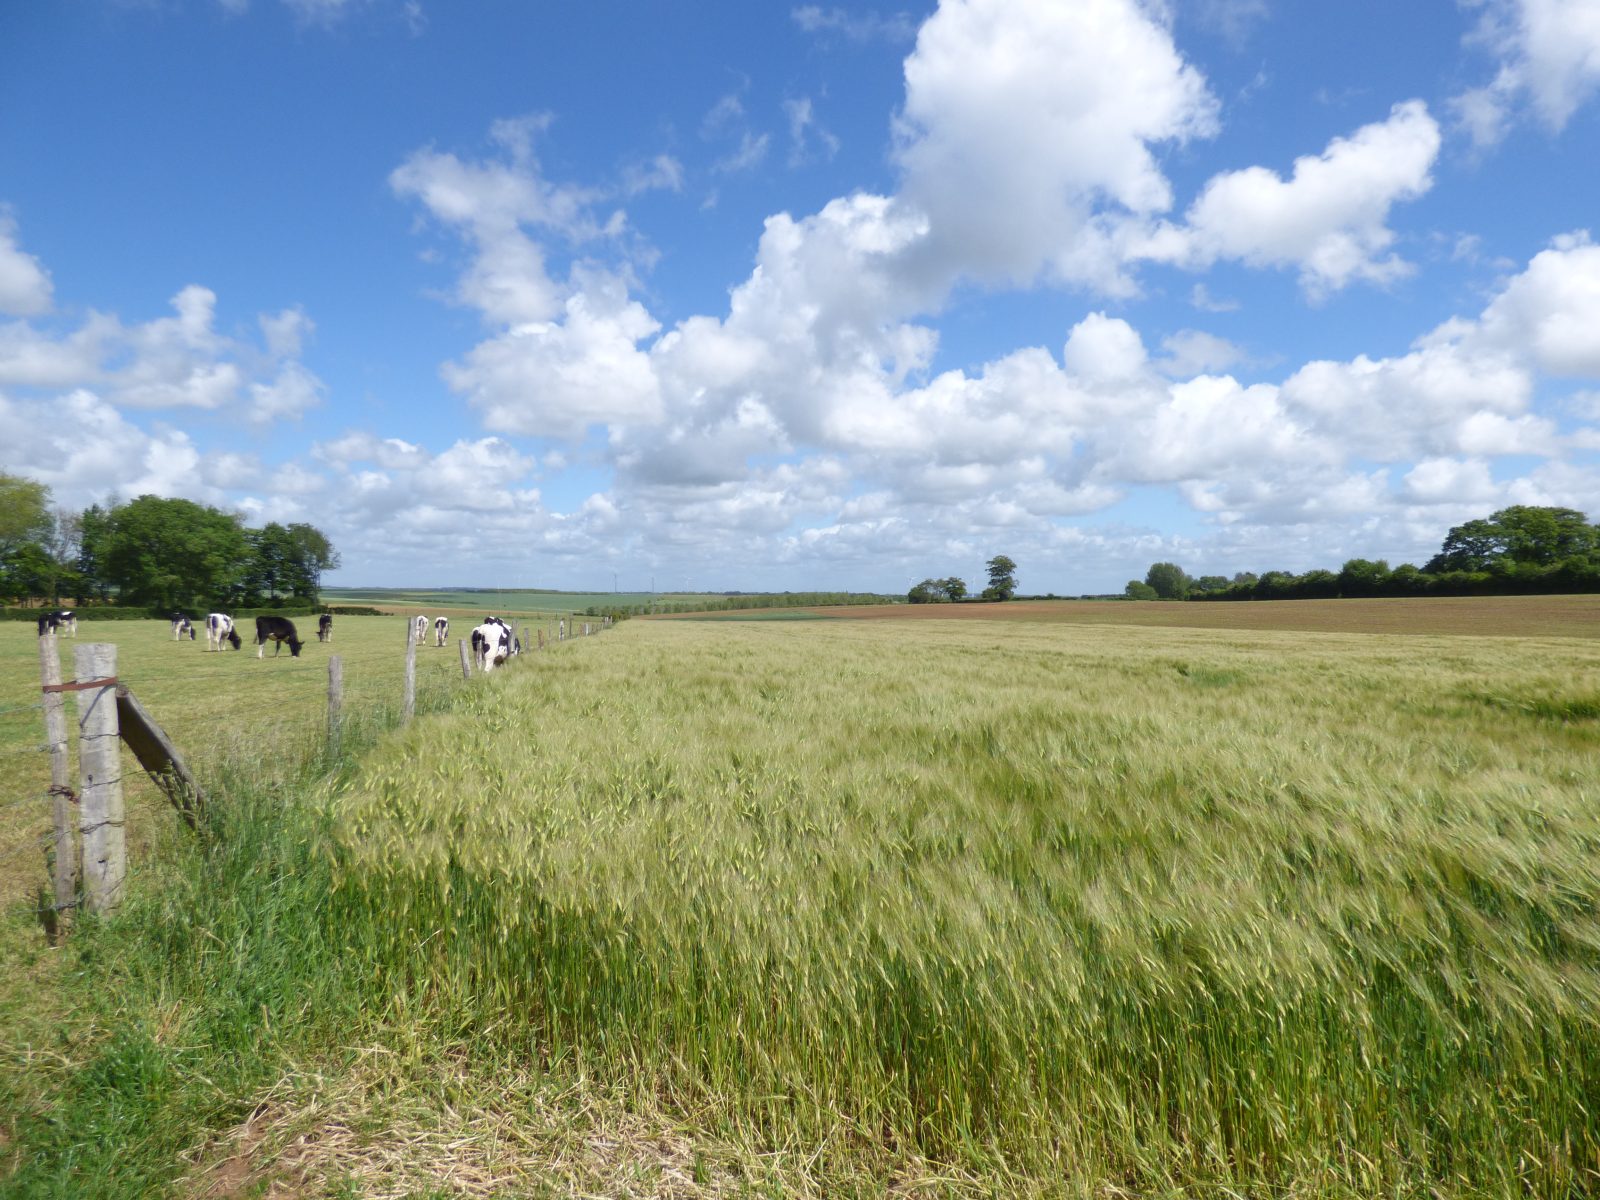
493 642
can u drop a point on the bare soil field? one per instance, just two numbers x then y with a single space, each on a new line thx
1486 616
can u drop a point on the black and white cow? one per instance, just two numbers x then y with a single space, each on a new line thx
277 630
441 630
62 620
325 627
491 644
182 627
419 630
219 629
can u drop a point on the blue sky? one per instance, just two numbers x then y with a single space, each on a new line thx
772 296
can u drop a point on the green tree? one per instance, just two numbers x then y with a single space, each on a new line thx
25 524
926 592
172 554
311 554
1274 585
1363 577
954 588
288 561
1002 578
24 512
1139 590
1168 580
94 532
1522 535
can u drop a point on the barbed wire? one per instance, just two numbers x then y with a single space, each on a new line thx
16 708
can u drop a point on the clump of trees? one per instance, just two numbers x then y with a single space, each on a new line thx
1520 549
153 552
938 591
1002 585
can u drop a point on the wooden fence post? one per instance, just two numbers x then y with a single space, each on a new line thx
409 708
466 662
55 732
335 701
541 637
561 630
105 862
522 637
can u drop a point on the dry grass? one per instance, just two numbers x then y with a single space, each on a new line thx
385 1130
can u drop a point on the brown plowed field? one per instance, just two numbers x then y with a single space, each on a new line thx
1486 616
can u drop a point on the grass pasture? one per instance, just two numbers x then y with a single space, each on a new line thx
835 907
221 709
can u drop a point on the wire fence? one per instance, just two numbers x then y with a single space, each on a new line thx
366 701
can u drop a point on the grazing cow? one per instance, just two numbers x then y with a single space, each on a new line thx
64 620
277 630
491 644
219 629
182 627
441 630
325 627
419 630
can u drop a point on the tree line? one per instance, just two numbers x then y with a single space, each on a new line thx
153 552
952 590
1524 549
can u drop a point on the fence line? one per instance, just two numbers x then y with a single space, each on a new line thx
100 823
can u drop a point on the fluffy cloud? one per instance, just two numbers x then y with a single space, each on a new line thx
24 284
1021 120
559 377
176 362
1553 310
1549 53
84 449
1328 219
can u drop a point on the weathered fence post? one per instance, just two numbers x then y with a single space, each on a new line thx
561 630
586 629
105 862
409 707
466 663
541 637
522 637
55 732
335 701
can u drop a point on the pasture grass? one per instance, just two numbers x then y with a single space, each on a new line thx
852 908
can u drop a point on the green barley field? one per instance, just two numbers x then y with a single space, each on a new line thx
861 908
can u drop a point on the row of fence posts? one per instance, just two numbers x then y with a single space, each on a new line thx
108 714
408 699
